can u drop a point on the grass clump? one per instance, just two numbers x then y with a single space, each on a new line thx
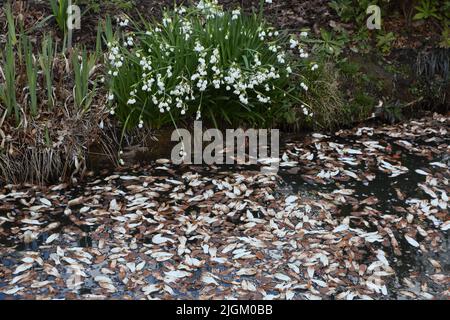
50 109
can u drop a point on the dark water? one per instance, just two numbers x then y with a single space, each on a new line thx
382 187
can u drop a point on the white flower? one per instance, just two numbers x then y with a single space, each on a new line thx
130 41
306 112
131 101
198 47
268 1
243 99
304 34
262 35
235 14
294 43
166 21
314 67
304 86
111 97
124 23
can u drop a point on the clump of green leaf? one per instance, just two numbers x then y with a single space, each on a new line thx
203 62
427 9
59 9
47 113
385 41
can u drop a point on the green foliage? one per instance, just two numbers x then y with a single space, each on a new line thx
27 86
203 62
329 43
32 74
445 38
439 11
8 89
427 9
384 41
81 68
96 6
59 9
46 58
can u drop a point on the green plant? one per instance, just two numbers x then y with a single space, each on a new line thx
329 43
83 64
205 62
59 9
37 145
98 5
384 41
46 59
427 9
32 73
8 90
30 81
445 38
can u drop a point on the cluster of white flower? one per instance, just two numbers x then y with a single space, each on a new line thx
210 8
129 42
132 99
145 62
166 21
281 58
303 54
180 10
262 35
296 44
201 73
306 112
182 93
115 58
123 23
186 29
235 14
211 72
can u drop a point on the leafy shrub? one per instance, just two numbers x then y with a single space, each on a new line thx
204 62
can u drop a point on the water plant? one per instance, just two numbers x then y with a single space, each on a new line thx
204 62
